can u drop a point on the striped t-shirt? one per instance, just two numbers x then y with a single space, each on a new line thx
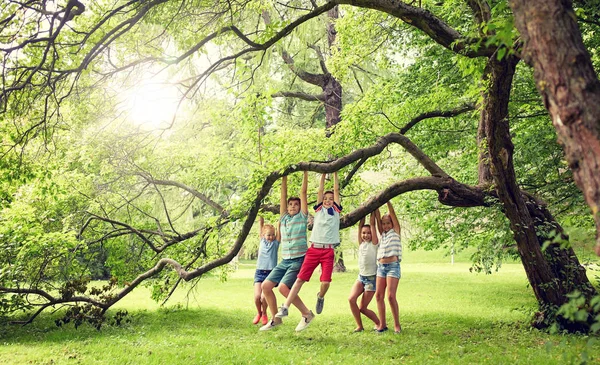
293 235
390 245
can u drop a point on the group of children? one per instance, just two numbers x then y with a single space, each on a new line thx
378 261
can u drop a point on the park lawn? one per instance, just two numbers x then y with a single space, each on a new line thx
448 315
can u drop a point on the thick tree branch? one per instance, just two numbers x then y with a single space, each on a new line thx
431 25
311 78
437 114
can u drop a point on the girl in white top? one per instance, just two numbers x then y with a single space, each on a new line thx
367 270
388 267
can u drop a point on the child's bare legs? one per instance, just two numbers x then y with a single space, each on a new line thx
380 298
355 292
293 294
364 307
267 289
292 297
263 302
392 286
257 297
324 288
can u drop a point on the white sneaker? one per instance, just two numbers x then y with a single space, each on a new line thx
272 324
283 312
305 321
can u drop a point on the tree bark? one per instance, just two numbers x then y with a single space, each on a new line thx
332 89
569 86
553 273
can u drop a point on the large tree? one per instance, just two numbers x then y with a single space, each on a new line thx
569 85
47 66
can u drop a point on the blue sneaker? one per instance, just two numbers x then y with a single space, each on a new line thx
320 304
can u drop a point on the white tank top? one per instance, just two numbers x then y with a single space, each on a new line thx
367 259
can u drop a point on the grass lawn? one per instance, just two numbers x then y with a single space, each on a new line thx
448 315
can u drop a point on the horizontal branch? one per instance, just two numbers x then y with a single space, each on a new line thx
431 25
437 114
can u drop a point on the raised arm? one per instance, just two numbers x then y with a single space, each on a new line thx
393 217
303 199
261 223
283 200
278 233
360 227
372 222
378 219
336 189
321 189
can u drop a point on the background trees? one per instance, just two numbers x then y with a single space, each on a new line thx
434 102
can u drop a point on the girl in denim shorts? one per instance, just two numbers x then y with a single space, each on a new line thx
389 256
367 269
267 260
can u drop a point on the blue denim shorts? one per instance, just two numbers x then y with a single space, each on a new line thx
368 282
260 275
286 271
389 270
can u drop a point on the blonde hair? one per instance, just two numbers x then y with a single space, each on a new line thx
387 215
268 227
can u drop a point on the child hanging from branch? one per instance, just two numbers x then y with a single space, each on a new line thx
365 285
389 256
267 260
324 238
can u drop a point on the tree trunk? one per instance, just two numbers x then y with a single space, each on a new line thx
484 173
569 86
332 90
339 263
556 272
333 101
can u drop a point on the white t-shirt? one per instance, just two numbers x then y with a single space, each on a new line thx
367 259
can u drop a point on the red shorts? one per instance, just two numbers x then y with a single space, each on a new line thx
314 257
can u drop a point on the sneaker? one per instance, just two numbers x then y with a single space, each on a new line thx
274 323
257 318
283 312
305 321
264 319
320 303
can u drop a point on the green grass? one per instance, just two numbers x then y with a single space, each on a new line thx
448 315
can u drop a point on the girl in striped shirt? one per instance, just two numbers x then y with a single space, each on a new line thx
389 256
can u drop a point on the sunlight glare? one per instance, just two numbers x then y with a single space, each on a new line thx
152 104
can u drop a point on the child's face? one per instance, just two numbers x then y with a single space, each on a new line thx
328 200
293 207
386 223
365 234
269 234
